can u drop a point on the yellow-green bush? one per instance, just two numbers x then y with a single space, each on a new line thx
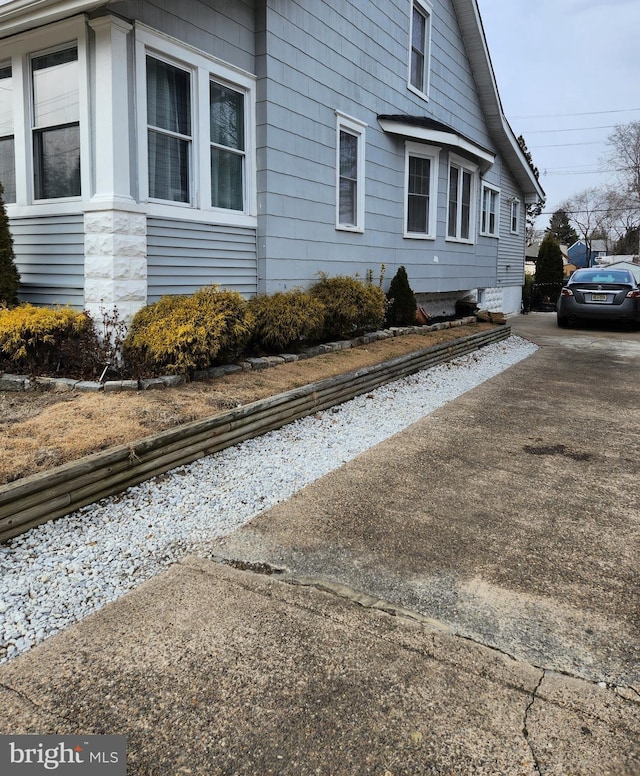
286 320
179 334
46 339
351 306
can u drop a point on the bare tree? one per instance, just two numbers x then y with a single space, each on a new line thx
621 216
587 211
624 157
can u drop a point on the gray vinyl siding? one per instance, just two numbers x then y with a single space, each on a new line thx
318 57
50 258
183 257
218 27
511 247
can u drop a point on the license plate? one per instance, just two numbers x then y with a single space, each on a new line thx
598 297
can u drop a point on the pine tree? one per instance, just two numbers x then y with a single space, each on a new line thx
549 265
402 305
9 276
561 229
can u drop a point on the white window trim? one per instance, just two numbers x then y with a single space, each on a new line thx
433 154
357 128
485 232
517 206
467 166
18 51
427 10
203 68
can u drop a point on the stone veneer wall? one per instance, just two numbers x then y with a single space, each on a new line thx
115 261
491 299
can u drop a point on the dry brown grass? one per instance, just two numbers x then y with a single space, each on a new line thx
41 430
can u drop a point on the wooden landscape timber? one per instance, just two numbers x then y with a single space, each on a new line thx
46 496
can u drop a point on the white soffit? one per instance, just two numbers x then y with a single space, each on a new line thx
437 137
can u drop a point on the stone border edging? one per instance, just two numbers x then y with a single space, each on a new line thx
13 382
48 495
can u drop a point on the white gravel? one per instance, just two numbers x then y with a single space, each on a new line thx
60 572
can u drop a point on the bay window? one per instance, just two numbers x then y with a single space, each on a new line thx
56 124
460 200
227 128
421 175
7 141
168 131
198 151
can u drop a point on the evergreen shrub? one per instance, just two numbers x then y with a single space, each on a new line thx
179 334
549 272
401 301
286 320
46 340
9 276
351 306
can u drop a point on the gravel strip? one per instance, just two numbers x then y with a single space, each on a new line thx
61 571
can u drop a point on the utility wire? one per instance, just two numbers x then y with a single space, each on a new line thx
566 145
588 113
572 129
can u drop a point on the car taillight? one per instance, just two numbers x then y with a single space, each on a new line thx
635 294
566 292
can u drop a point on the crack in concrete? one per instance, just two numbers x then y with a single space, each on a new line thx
368 601
39 706
525 722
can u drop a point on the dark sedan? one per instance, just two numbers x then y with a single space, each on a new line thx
600 294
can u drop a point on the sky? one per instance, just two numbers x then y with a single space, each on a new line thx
568 72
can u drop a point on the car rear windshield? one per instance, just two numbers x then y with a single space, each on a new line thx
599 276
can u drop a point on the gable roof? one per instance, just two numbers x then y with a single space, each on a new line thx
475 42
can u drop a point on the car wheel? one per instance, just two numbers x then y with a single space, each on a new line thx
563 321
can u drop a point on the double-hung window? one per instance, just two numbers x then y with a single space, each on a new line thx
515 216
7 141
420 46
490 217
44 137
198 151
56 123
168 131
227 147
421 176
460 200
350 174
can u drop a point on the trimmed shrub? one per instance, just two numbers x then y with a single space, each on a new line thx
46 340
179 334
286 320
351 306
401 301
549 273
9 276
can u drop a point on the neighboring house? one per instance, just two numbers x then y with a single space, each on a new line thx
155 147
632 266
578 252
616 258
531 258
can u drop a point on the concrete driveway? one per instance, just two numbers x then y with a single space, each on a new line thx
462 599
